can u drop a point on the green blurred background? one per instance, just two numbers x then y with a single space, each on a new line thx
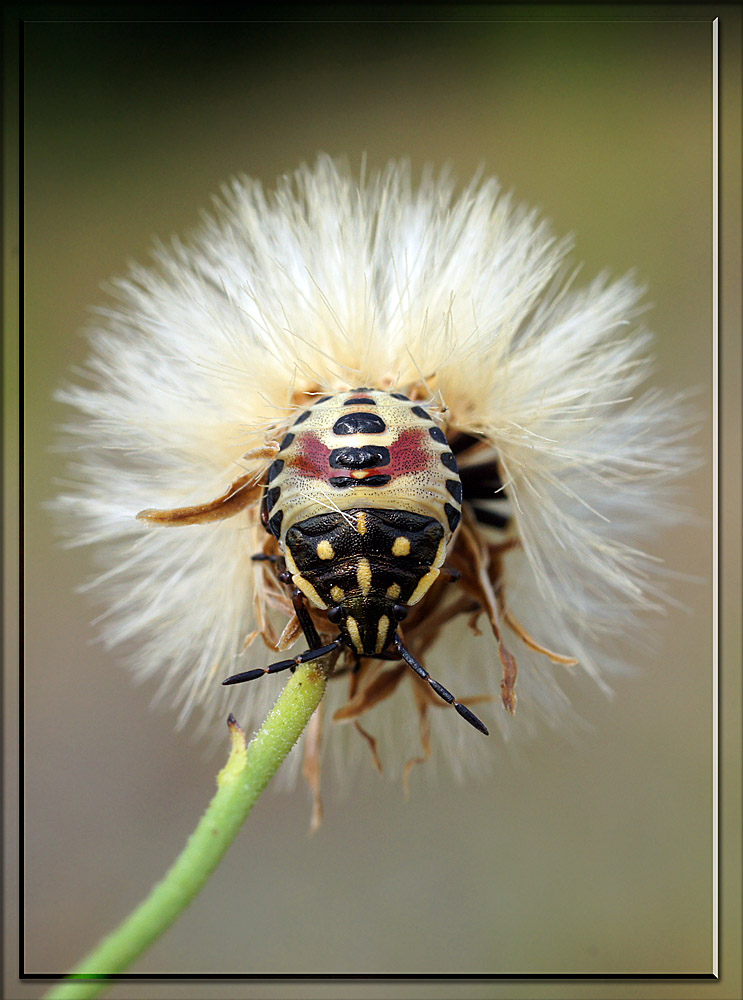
591 855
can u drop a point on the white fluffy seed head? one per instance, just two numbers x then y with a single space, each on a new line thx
325 285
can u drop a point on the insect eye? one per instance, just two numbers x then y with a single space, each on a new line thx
334 613
399 612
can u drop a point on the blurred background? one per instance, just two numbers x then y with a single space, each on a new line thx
581 856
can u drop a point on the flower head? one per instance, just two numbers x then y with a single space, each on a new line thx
462 304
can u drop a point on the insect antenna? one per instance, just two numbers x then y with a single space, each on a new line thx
274 668
440 690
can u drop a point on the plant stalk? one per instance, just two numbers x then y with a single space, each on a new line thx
247 772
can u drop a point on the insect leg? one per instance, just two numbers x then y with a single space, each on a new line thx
274 668
305 620
440 690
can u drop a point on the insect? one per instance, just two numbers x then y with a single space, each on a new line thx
385 467
551 457
363 501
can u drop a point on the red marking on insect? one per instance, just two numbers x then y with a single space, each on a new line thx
407 454
313 457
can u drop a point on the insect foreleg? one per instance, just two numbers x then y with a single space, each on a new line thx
274 668
305 620
440 690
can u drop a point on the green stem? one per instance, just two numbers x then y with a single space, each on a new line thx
248 770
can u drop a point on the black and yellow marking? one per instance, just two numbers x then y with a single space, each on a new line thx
343 482
401 546
359 423
420 412
455 489
360 400
369 456
449 461
271 496
365 566
275 469
453 516
393 561
274 523
364 575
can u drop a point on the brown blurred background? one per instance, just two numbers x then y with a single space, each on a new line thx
580 856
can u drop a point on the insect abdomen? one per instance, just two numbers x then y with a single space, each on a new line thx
363 449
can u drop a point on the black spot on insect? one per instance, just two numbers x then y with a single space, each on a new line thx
302 417
362 388
448 460
420 412
405 522
360 423
323 400
400 395
366 457
362 400
437 434
274 523
316 527
452 515
455 488
286 442
346 481
271 496
275 469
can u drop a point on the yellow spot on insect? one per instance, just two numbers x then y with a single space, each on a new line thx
364 576
359 474
382 630
353 631
424 585
401 546
393 591
361 523
440 554
309 591
325 549
337 593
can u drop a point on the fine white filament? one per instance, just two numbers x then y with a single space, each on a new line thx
331 283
